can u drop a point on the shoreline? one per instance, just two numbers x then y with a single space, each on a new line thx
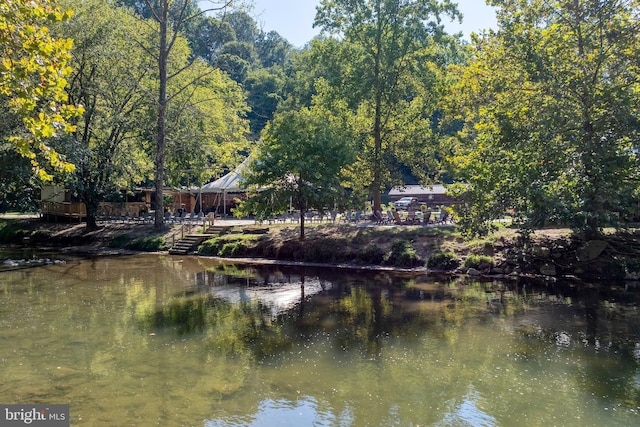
552 256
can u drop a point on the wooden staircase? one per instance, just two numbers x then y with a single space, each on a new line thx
190 242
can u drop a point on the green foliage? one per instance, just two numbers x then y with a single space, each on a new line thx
402 254
475 261
300 162
10 231
550 116
388 70
265 88
323 251
232 245
443 261
143 244
33 71
371 254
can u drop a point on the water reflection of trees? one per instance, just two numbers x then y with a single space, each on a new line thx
364 338
359 312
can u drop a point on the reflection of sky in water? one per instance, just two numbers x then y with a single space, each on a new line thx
286 413
279 297
467 413
307 413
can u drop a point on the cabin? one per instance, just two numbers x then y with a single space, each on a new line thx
56 202
60 204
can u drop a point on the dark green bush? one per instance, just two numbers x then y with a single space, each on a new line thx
371 254
443 261
232 245
477 261
10 232
403 254
144 244
120 241
325 250
232 249
148 244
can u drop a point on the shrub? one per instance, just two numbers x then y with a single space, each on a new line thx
120 241
147 244
233 249
443 261
478 261
10 232
371 254
403 254
232 245
324 250
144 244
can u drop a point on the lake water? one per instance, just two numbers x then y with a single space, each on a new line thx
152 340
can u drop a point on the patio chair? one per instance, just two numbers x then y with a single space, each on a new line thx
396 218
355 216
377 217
411 217
426 217
309 216
390 219
444 216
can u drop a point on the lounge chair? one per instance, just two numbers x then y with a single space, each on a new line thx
426 217
377 217
389 217
396 218
444 216
412 218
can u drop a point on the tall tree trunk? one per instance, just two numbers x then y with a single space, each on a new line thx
91 205
161 126
376 187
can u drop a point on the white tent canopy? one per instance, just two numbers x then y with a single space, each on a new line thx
229 183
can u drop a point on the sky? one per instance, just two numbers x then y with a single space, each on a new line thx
293 19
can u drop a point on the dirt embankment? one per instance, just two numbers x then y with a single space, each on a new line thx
550 253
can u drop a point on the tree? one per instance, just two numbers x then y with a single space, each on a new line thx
551 109
18 185
111 79
207 35
273 49
33 67
392 48
171 17
237 59
208 125
300 162
265 90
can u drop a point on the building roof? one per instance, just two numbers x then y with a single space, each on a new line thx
417 190
229 183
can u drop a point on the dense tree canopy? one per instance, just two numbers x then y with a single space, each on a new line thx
548 103
300 162
33 70
551 106
110 78
393 49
